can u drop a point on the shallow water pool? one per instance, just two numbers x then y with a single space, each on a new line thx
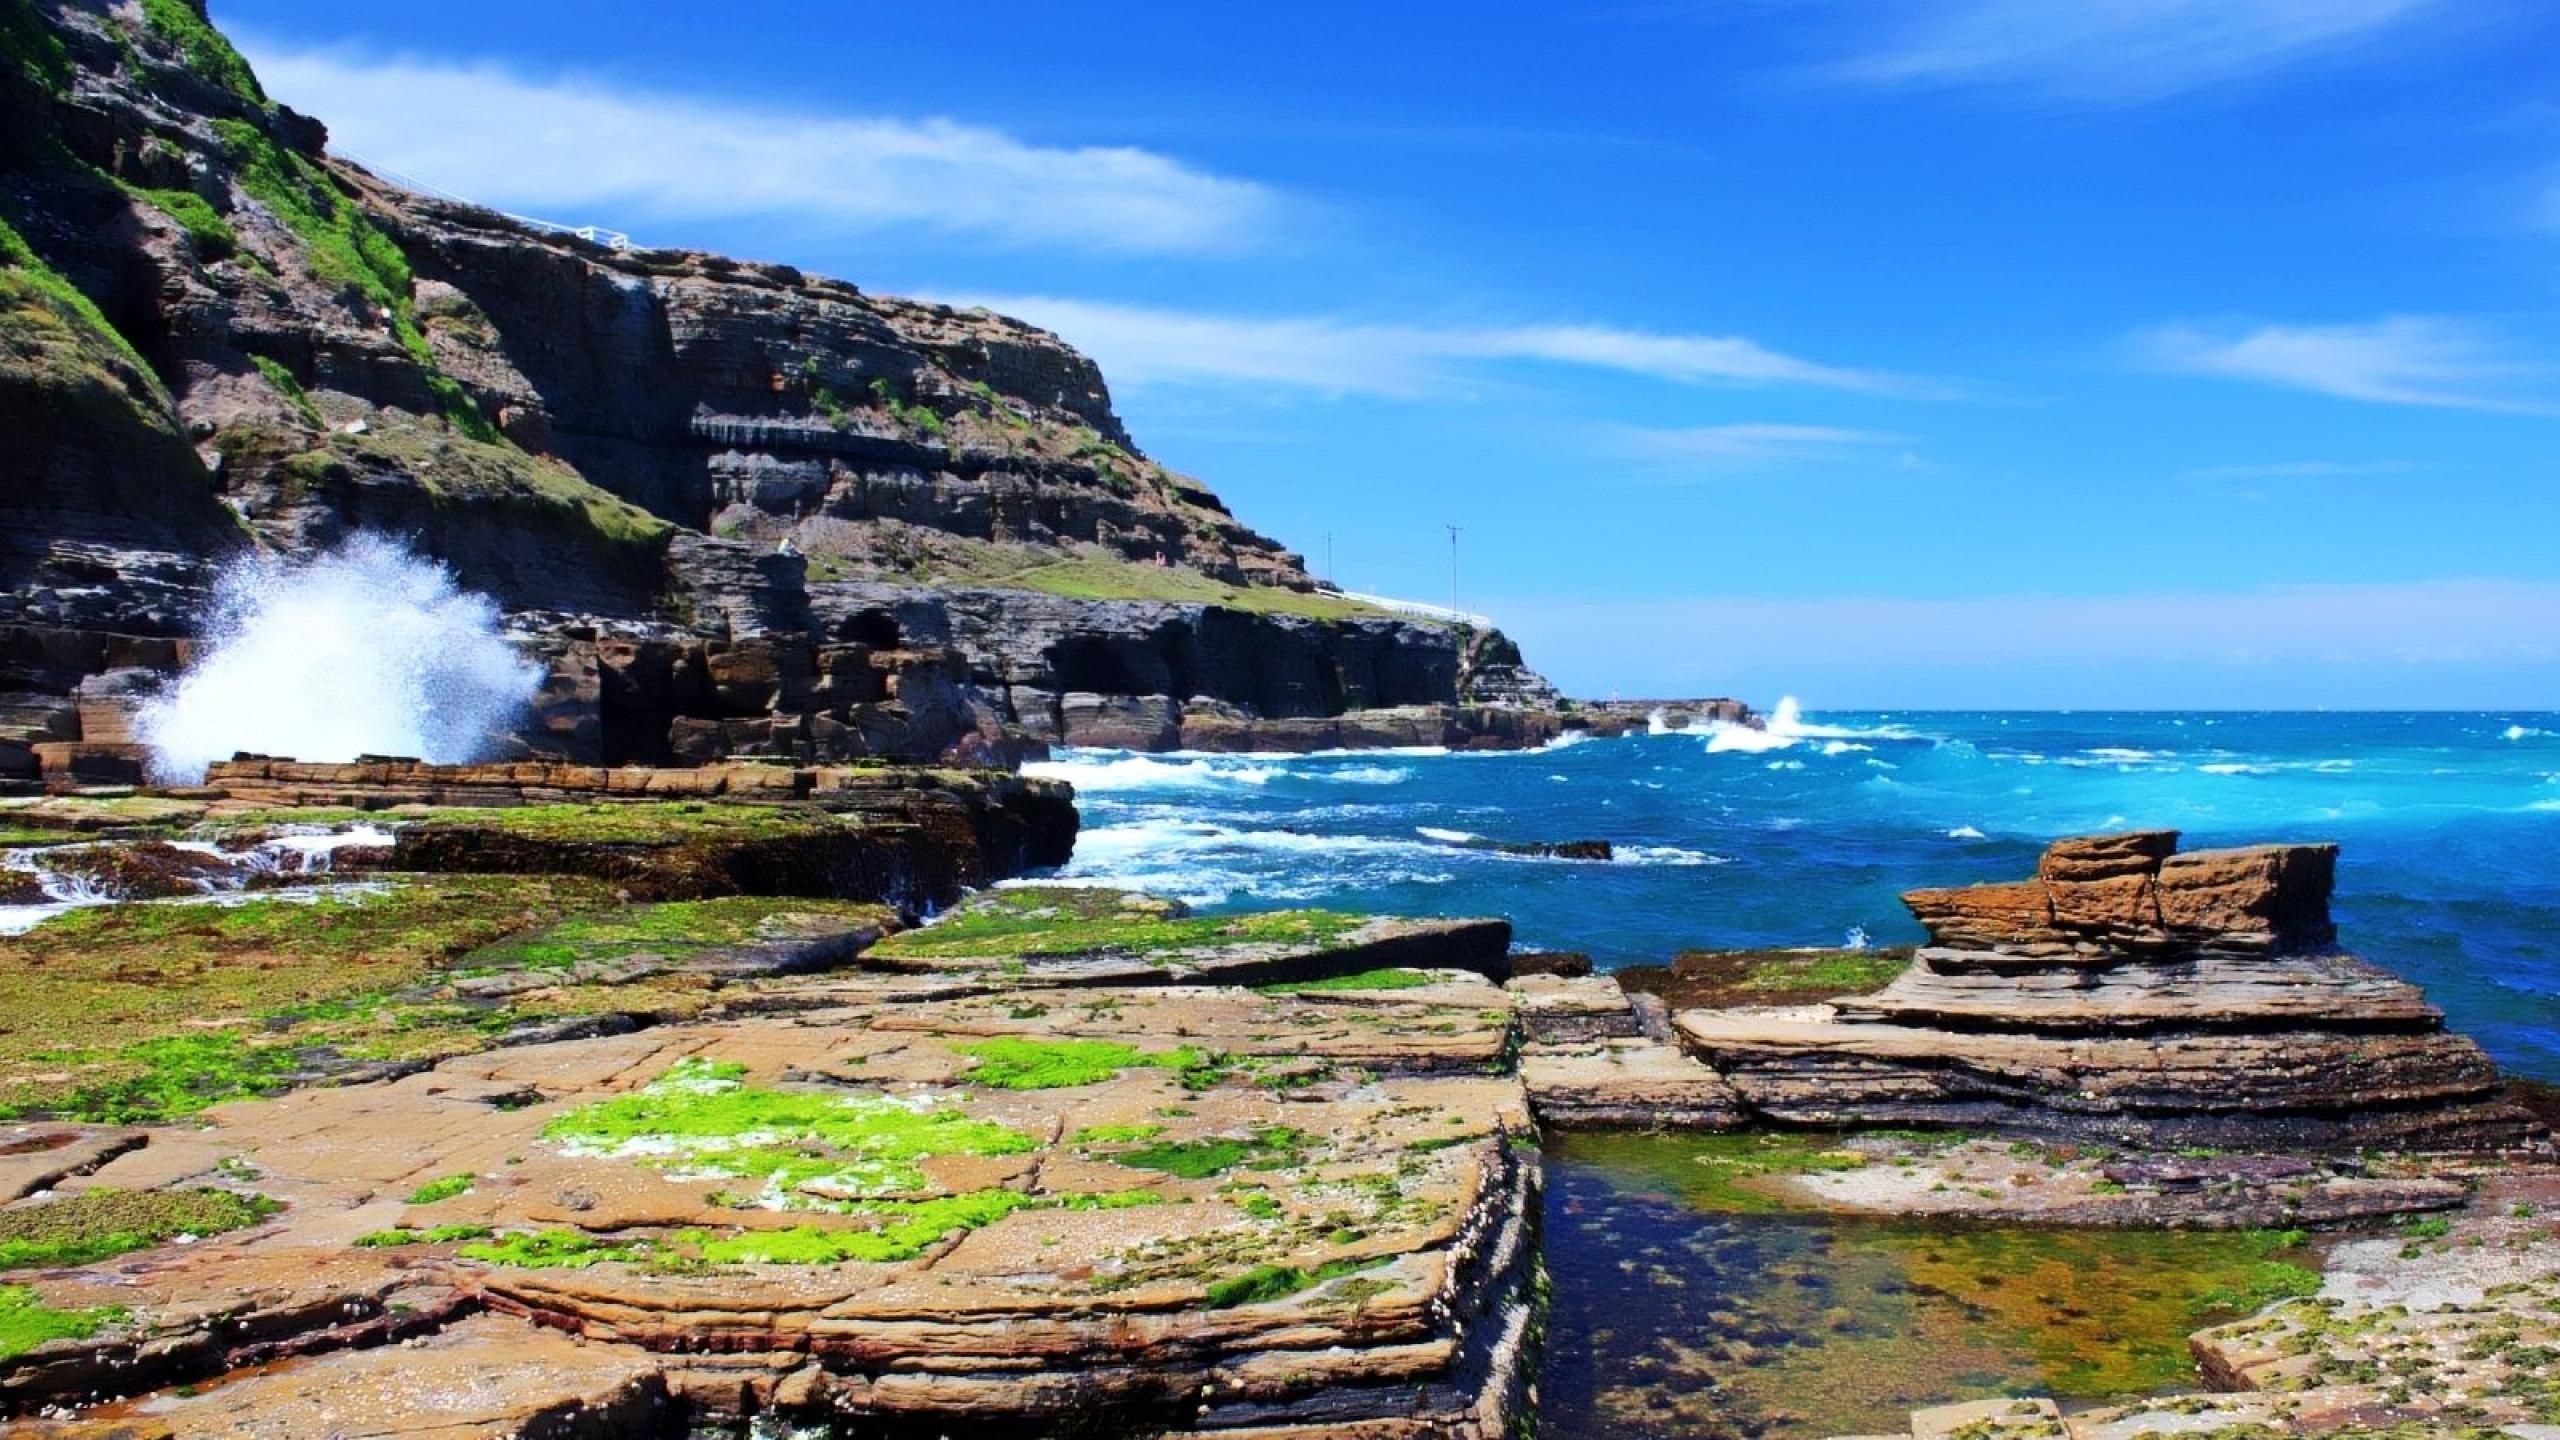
1689 1305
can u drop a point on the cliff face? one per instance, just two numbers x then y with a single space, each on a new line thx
218 337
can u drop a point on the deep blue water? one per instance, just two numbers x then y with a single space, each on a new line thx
2450 823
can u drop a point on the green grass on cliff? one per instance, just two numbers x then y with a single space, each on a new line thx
56 335
343 247
208 54
1055 921
1096 578
211 234
1082 572
29 46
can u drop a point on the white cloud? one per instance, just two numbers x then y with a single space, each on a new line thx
2114 51
2398 360
1138 345
1742 446
2462 642
583 153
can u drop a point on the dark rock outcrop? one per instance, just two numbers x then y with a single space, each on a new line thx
2129 994
916 837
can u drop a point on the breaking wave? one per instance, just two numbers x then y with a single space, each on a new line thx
365 650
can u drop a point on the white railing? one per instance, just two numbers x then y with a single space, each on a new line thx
592 234
1420 611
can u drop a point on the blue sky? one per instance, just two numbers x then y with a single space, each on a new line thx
1977 352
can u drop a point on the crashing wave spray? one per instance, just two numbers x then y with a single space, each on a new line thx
365 650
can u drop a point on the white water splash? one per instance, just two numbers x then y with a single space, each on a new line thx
298 852
367 650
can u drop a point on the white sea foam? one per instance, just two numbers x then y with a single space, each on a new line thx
1786 728
1965 832
1452 837
1666 855
1106 772
2520 732
1096 772
366 650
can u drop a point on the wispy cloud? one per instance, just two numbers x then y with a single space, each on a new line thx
2114 51
2303 470
583 152
1743 446
2398 360
1140 345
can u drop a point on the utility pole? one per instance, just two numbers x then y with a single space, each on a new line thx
1453 566
1328 559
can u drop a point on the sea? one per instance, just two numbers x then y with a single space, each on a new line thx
1805 833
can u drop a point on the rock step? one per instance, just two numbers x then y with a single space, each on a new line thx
1628 1083
1949 990
2313 1089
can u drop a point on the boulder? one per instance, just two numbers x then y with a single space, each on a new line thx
2134 890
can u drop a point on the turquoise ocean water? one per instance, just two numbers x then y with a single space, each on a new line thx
1807 833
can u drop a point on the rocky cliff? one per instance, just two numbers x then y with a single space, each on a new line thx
219 337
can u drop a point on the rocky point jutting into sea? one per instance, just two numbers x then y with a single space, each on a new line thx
734 508
640 997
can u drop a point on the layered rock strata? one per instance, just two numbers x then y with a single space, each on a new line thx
1594 1055
1169 1211
2129 993
1162 675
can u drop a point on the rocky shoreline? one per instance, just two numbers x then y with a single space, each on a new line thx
656 1130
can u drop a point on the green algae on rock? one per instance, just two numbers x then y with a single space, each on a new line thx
1035 921
442 1189
1389 979
682 927
1065 935
701 1119
112 1005
27 1322
1015 1062
89 1225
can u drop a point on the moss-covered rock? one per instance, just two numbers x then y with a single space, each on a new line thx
1048 934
